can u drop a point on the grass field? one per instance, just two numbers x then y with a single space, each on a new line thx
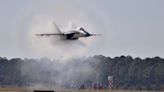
70 90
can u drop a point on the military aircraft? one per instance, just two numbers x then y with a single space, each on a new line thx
72 34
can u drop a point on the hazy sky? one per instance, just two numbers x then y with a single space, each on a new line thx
129 27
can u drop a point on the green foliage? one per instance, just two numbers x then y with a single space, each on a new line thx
128 72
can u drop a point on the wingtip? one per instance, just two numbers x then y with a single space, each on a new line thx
38 35
96 34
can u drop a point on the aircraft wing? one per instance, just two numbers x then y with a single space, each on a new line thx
49 34
96 34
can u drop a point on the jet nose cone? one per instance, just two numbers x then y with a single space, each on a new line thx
88 34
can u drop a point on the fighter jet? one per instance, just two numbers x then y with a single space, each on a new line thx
72 34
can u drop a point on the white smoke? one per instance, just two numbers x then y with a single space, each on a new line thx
46 74
41 21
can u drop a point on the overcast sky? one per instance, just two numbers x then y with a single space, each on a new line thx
129 27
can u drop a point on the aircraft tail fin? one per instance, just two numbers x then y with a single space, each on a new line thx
57 28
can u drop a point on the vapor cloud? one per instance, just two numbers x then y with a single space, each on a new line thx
41 21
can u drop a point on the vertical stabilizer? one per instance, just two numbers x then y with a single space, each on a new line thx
57 28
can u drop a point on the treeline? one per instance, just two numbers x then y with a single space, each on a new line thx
127 72
134 73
